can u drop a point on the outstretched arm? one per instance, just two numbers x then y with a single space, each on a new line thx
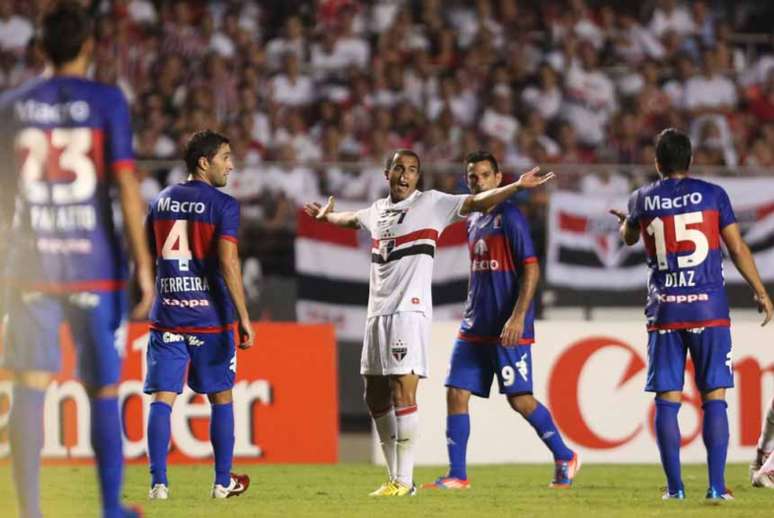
487 199
743 260
325 213
629 234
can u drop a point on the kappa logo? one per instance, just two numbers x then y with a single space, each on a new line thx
399 350
480 247
232 364
522 367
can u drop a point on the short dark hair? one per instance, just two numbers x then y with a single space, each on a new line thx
65 29
480 156
205 144
673 151
398 153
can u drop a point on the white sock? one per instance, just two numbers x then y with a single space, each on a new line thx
386 427
766 441
408 422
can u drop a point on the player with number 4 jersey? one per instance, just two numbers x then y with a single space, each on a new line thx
193 230
682 221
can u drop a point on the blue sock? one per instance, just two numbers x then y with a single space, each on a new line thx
715 435
108 449
457 433
544 426
222 437
26 437
668 439
158 441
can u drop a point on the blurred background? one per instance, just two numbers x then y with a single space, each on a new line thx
314 95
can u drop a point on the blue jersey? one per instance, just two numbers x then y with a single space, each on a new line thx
499 244
70 136
681 222
185 223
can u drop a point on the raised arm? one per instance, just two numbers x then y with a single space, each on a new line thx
325 213
629 234
743 260
228 257
487 199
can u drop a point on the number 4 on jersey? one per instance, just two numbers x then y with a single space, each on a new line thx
176 245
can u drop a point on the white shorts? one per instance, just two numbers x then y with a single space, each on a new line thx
396 344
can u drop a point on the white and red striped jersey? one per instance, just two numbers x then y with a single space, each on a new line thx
403 239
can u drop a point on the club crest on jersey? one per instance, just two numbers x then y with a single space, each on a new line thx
480 247
498 221
399 350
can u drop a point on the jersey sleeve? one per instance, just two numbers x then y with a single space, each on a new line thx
229 223
633 219
517 233
119 132
725 211
364 218
446 207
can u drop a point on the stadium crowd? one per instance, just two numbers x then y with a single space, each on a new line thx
310 91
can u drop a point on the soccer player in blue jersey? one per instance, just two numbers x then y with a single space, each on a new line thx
497 331
682 221
193 230
72 141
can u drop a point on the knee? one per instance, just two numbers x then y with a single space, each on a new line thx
221 398
524 404
457 400
104 392
35 380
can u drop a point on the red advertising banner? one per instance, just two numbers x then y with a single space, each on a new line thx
285 402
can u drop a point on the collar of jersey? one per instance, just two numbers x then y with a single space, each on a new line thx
401 203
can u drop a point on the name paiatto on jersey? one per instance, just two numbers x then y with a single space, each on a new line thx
185 303
44 113
678 202
183 284
63 218
684 299
64 246
166 203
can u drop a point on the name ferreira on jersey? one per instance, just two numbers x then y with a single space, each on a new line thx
166 203
663 203
183 284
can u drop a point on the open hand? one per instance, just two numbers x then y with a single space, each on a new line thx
618 214
533 178
512 331
765 306
319 212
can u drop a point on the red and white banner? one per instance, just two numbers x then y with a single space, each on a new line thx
273 412
333 266
591 376
585 251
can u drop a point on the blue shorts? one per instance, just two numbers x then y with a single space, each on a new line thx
212 358
710 351
474 364
97 322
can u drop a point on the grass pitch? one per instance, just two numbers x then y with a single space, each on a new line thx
299 490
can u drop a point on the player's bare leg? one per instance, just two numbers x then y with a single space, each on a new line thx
26 437
762 470
567 463
227 484
457 434
159 434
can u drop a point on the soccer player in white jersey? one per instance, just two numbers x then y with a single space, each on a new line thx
404 228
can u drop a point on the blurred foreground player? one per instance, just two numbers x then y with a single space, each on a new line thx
193 230
404 228
682 221
72 140
497 331
762 470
